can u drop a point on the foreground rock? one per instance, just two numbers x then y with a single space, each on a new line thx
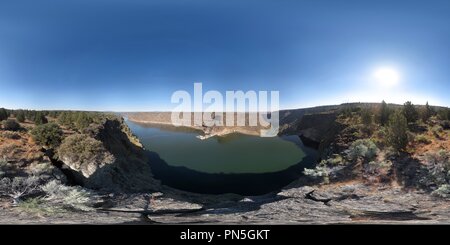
334 204
348 203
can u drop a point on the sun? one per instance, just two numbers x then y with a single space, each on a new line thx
386 76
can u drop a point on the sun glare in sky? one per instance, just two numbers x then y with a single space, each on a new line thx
386 76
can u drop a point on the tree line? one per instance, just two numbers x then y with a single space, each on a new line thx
398 121
75 120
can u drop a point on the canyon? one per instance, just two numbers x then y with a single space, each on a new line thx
127 192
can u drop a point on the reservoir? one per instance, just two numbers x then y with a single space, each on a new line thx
235 163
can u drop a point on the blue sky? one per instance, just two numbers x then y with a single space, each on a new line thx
133 54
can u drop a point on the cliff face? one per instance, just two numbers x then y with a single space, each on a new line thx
289 121
121 164
316 127
164 119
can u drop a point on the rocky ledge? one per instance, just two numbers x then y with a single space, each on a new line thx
351 202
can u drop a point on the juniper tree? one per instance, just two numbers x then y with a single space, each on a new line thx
3 114
47 135
40 118
397 135
426 112
410 112
20 116
83 121
384 113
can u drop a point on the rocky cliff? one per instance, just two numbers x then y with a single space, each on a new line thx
290 122
119 163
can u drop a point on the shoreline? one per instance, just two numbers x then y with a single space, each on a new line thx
208 132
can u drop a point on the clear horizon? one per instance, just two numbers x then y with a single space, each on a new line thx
169 111
122 55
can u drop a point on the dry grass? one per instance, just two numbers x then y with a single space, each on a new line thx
436 144
21 153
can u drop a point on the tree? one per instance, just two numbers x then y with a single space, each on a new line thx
426 113
30 115
83 121
444 114
47 135
20 116
63 118
53 114
410 112
366 117
11 124
384 113
40 118
397 135
3 114
367 120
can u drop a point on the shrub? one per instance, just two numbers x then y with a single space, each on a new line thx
31 205
437 129
335 160
3 114
348 111
445 124
363 149
83 149
19 187
438 168
48 135
20 116
442 191
377 168
10 135
69 197
397 135
9 149
444 114
39 206
4 167
422 139
366 117
11 124
318 172
42 169
381 133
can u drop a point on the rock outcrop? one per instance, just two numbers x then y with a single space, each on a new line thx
349 203
120 163
315 128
